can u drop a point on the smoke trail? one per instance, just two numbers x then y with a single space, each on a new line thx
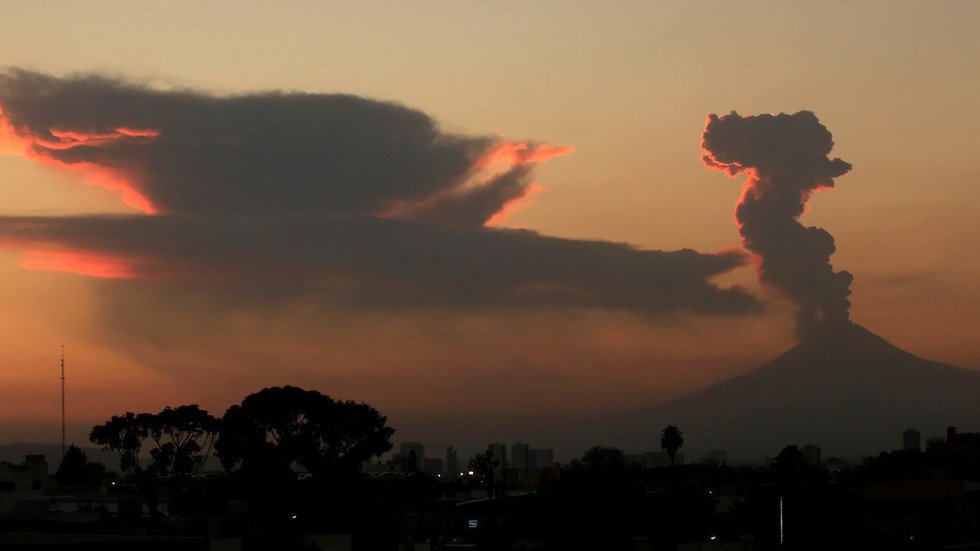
785 159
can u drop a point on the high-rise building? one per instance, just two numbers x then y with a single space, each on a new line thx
911 440
499 452
518 455
711 457
811 454
656 460
452 462
412 456
539 459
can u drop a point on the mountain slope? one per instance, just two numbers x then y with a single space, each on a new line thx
848 391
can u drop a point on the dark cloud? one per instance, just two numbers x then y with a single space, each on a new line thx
786 159
322 195
474 206
262 153
393 263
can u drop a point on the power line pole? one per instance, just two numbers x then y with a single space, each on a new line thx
62 401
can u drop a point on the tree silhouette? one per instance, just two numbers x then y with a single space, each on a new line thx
601 458
671 439
276 427
183 437
75 469
791 466
484 466
123 434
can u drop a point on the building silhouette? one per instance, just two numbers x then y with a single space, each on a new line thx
539 459
452 462
811 454
713 458
519 452
911 440
411 454
499 452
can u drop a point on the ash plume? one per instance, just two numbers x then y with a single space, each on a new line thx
323 196
786 159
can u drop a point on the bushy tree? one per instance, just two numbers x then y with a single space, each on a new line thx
484 466
602 458
276 427
75 469
182 438
123 434
791 466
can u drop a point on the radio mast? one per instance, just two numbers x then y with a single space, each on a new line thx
62 402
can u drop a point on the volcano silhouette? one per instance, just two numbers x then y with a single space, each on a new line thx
848 391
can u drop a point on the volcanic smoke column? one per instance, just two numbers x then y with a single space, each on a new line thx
785 159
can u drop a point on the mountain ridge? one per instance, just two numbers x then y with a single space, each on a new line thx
846 390
14 452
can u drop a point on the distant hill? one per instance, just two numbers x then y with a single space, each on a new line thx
848 391
15 452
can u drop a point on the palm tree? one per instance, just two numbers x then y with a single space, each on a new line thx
671 440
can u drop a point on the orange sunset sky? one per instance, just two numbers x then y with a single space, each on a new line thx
626 85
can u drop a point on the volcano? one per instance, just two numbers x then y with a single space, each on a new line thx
846 390
842 388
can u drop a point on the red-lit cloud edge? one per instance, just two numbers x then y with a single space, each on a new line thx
20 142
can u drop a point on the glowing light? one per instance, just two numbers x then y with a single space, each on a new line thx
780 521
83 263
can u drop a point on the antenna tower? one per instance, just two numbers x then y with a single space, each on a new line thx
62 401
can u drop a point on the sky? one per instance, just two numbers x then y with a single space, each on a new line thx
380 282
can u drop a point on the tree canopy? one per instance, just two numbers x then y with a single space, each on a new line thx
76 470
281 426
484 465
123 434
602 458
182 438
270 432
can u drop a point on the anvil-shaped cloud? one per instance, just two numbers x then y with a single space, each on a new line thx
362 201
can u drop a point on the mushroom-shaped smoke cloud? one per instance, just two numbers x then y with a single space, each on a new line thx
785 158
